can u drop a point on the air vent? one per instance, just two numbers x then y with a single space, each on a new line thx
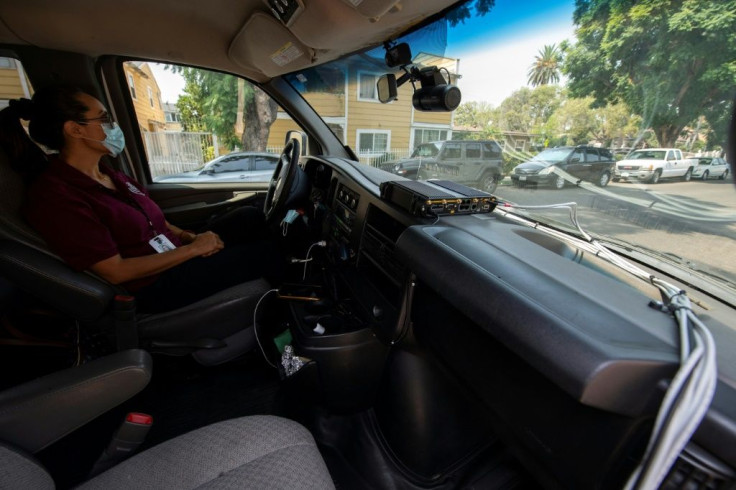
697 470
380 250
285 10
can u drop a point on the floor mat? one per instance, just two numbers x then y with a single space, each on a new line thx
184 396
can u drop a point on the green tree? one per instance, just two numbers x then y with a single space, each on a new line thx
459 14
217 102
528 110
669 60
476 115
546 67
575 120
615 122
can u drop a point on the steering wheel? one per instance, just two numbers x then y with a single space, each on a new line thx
281 181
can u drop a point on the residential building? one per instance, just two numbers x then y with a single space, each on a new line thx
146 96
349 104
172 117
14 83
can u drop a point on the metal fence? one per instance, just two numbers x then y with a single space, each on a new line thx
172 152
383 160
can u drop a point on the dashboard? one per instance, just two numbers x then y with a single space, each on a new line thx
487 286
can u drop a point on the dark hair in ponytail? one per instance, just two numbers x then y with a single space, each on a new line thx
47 112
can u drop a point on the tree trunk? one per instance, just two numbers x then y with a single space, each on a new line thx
667 135
260 114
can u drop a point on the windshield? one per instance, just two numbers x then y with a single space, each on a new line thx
652 155
598 76
549 157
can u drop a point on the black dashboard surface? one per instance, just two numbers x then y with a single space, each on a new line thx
591 334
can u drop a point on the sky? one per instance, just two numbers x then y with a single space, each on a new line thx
510 35
497 50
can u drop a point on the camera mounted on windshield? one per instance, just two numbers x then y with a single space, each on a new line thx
435 94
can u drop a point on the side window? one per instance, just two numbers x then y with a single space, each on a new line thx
578 156
472 150
14 83
266 163
452 151
491 151
202 117
670 155
606 155
232 164
591 155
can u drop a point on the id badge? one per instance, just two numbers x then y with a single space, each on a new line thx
161 243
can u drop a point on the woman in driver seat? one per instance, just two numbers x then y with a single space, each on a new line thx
98 219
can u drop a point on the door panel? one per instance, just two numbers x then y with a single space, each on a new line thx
191 206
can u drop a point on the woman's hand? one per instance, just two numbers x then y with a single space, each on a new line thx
206 244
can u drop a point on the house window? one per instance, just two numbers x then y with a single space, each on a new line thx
7 63
339 131
150 96
131 84
427 135
367 87
372 141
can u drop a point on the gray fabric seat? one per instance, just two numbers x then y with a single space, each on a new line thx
258 452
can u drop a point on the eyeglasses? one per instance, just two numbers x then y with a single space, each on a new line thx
106 121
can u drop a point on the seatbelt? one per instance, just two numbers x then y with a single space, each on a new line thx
131 433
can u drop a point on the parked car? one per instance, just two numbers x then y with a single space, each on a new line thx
710 167
654 164
477 164
233 167
583 162
408 167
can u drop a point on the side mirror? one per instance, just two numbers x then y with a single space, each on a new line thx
387 88
574 159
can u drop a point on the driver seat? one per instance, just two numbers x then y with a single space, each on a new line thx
215 329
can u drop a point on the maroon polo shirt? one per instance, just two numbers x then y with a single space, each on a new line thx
84 222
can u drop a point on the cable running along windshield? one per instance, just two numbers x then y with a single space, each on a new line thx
691 390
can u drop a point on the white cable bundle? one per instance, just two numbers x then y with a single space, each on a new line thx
691 391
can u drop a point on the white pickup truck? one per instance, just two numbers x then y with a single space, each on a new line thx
654 164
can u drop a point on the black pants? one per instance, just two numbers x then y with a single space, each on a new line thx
247 255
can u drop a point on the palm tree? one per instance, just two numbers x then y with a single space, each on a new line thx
546 67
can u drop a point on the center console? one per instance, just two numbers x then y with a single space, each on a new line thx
343 315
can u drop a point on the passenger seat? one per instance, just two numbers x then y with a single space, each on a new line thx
259 452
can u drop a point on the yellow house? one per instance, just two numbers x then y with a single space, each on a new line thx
14 83
350 106
146 96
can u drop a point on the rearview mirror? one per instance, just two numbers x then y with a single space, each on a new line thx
387 88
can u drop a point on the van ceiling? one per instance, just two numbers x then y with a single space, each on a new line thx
201 33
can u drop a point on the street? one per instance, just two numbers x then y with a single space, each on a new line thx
694 220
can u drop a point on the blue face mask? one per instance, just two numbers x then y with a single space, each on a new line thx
114 139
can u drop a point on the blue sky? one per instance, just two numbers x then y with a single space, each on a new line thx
496 50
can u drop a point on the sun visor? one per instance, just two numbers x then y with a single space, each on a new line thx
266 45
